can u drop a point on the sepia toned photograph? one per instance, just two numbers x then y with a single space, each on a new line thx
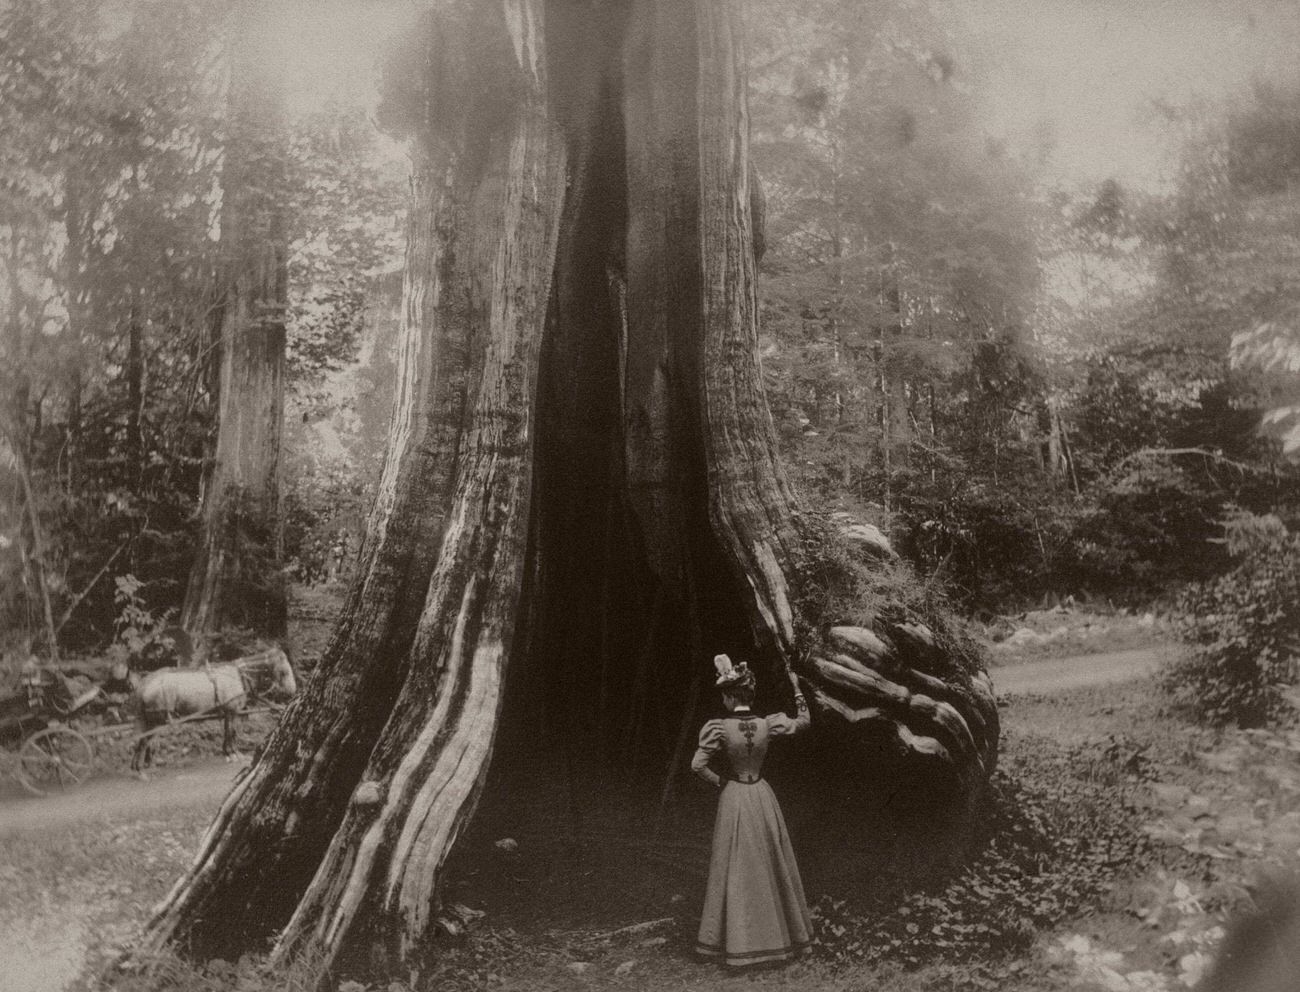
649 495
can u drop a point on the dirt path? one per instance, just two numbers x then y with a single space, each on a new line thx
205 784
1061 674
120 797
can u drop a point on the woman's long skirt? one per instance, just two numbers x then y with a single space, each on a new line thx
754 907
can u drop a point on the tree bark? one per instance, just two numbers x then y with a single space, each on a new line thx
18 434
237 579
135 383
581 420
360 792
40 569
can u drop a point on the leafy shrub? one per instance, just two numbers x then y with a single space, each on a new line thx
1130 534
1244 628
141 638
990 544
324 511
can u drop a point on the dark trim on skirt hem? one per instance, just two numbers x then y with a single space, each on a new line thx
753 957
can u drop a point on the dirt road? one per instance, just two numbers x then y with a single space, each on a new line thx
121 797
1061 674
205 785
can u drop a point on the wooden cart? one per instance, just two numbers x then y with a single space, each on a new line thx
52 753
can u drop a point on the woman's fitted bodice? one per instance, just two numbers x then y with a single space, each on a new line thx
739 742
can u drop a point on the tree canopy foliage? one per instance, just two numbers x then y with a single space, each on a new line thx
1033 387
110 193
1041 388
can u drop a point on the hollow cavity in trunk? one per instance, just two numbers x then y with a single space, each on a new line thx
627 593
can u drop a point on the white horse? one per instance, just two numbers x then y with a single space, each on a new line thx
169 693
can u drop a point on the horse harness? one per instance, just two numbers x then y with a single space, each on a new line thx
245 682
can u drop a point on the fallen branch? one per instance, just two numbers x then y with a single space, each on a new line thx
630 929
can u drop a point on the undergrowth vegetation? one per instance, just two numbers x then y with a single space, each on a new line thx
1243 628
837 583
1062 825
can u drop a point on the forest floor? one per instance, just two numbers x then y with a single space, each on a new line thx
1163 826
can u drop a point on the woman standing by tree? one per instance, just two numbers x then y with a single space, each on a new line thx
754 906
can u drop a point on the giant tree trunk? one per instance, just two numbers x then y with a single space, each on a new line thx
581 488
237 577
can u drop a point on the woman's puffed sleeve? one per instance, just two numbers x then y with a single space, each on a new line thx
780 725
711 741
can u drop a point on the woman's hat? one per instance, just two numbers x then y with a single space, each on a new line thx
730 675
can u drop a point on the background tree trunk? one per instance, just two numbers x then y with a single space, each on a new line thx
236 579
581 488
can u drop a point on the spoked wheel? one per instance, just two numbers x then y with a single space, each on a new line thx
54 759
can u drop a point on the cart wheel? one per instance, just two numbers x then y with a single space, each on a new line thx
55 758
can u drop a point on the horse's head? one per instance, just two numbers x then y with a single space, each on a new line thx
283 682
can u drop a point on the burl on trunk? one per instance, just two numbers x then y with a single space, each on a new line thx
581 485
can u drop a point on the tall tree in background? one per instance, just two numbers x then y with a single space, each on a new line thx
108 169
41 83
901 267
580 408
898 285
237 578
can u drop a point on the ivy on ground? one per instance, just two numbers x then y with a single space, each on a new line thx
1061 829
